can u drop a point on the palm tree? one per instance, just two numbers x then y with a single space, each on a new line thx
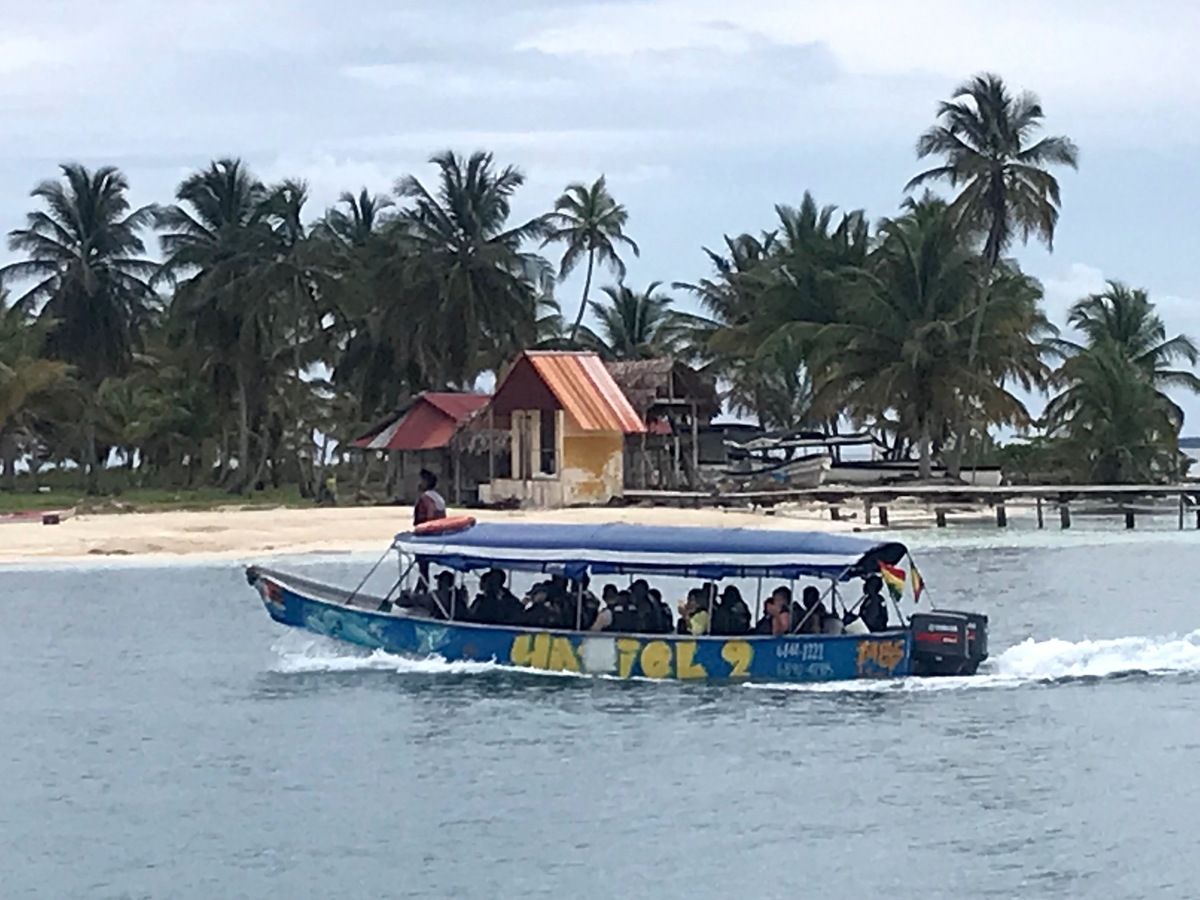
904 343
84 255
634 324
1114 405
217 240
475 292
591 223
23 378
987 140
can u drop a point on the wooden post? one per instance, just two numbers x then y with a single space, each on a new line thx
940 515
1064 515
1040 514
1129 519
1182 504
491 445
867 512
1001 516
695 479
883 516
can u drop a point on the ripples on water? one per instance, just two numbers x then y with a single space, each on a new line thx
164 739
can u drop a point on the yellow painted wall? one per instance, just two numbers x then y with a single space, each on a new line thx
591 463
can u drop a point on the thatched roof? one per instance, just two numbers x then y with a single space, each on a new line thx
651 383
474 436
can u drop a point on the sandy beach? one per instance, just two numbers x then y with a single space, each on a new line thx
256 533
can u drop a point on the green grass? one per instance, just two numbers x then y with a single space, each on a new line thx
64 495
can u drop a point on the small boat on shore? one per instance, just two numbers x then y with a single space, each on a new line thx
935 642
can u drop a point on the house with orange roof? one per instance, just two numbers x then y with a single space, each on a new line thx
568 420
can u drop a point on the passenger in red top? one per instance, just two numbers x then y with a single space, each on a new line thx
429 506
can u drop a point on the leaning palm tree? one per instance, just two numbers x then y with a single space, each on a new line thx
634 324
84 255
988 142
592 224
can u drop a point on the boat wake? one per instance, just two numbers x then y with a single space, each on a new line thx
1030 662
1048 662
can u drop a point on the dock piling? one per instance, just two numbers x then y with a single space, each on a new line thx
1129 519
1182 505
883 516
1001 516
835 513
1041 515
1064 515
941 518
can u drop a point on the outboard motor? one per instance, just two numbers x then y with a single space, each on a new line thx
948 642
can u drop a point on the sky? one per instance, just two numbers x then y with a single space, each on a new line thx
702 114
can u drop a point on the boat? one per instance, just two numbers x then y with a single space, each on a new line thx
804 472
930 642
882 471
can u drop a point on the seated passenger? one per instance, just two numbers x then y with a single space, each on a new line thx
448 601
777 615
695 616
604 616
540 610
625 617
731 615
663 624
873 608
695 595
586 606
647 609
812 612
496 604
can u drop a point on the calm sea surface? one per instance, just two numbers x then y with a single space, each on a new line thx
162 738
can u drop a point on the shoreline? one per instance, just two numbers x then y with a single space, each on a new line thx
283 531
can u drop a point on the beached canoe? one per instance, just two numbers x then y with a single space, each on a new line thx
934 642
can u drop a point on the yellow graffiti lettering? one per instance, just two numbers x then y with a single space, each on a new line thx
685 661
562 656
739 655
656 660
627 654
531 650
884 654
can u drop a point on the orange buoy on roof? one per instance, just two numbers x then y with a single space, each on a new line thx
446 525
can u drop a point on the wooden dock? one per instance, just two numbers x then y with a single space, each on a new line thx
1125 499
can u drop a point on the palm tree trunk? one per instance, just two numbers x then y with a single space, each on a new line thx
924 452
243 474
587 286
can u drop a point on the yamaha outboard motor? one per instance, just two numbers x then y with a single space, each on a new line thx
948 642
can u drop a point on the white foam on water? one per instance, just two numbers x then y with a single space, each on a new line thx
298 655
1040 662
1030 662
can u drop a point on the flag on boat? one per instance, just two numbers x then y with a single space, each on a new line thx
893 577
918 583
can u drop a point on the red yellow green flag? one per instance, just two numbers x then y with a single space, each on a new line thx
893 577
918 583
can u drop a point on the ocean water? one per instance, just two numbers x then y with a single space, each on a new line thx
162 738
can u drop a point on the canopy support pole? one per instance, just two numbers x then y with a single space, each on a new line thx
579 604
758 602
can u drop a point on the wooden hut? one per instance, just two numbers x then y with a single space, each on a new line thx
424 434
676 402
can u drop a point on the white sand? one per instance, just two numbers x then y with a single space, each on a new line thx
244 533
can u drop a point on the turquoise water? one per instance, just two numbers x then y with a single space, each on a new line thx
162 738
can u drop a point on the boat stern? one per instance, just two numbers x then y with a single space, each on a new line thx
948 642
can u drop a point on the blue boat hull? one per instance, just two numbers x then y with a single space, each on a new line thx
794 658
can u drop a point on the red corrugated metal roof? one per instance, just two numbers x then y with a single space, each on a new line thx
586 390
429 425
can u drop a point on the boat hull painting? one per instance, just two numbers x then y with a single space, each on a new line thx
799 658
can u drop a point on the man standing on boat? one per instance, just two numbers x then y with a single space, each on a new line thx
430 505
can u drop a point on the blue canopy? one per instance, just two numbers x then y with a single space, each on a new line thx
709 553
